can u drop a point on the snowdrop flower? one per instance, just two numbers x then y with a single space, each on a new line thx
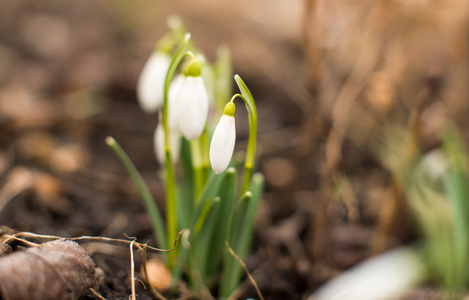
173 98
173 126
223 140
382 277
150 85
192 103
158 144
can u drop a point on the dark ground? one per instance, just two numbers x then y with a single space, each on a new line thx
67 80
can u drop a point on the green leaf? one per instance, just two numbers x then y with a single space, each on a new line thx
456 184
218 232
231 272
240 235
252 118
245 92
223 70
210 191
150 205
185 204
201 243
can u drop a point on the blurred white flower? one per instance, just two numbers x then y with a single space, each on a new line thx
435 165
223 140
173 98
382 277
150 85
158 144
192 107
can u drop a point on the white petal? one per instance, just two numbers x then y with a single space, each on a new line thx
222 145
158 144
382 277
150 85
192 107
173 98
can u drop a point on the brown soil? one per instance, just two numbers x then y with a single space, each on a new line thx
68 80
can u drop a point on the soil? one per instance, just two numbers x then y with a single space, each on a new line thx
68 80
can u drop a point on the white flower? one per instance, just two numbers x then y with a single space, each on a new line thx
223 140
173 98
159 147
192 107
158 137
150 85
382 277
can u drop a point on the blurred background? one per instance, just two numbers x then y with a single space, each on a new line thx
338 84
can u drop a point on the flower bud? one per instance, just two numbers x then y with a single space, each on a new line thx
223 140
150 86
192 107
159 147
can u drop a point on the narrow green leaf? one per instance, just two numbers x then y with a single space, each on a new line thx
218 233
252 118
245 92
456 184
202 240
185 204
223 70
148 201
231 272
210 191
240 234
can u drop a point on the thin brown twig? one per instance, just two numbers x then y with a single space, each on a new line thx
28 243
348 197
52 237
253 282
96 294
142 247
141 282
145 270
132 270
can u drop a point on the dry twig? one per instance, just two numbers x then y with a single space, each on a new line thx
253 282
94 292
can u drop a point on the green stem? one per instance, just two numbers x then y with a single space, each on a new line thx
150 206
171 212
205 149
197 167
252 118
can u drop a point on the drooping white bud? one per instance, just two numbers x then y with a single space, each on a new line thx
223 140
150 86
159 147
192 107
173 101
385 276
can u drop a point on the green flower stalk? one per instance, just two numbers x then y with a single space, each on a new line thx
224 136
252 117
171 212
